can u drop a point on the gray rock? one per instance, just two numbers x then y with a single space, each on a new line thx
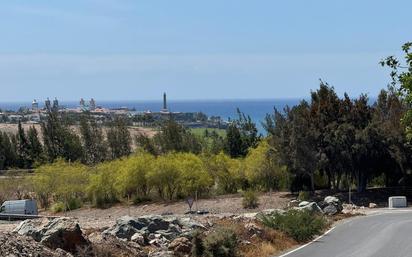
331 200
312 207
330 210
162 254
188 223
138 238
303 204
157 224
160 242
62 233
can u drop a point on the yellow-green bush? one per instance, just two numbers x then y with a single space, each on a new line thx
101 189
262 168
131 178
226 172
166 177
60 181
138 177
194 177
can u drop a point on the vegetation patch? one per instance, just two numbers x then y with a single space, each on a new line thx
250 200
302 226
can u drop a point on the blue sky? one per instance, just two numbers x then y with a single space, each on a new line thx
214 49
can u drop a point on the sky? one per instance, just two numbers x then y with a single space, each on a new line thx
214 49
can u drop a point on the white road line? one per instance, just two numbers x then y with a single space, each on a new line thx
313 241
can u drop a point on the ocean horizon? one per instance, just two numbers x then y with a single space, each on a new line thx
226 109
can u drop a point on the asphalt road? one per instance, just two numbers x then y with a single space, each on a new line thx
382 235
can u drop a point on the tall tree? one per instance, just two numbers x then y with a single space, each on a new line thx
22 147
293 133
173 137
241 135
119 139
59 140
35 148
93 141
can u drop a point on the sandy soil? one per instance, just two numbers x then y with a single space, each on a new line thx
101 218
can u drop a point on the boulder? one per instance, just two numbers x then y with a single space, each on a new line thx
331 200
312 207
156 224
181 245
330 210
127 226
62 233
373 205
303 204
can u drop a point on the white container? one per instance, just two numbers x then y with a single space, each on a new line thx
398 202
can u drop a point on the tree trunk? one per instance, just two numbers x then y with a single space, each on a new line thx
312 182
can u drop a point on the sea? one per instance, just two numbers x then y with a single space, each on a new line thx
226 109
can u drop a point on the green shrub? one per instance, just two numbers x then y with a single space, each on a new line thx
250 200
221 243
304 196
300 225
71 204
140 199
58 207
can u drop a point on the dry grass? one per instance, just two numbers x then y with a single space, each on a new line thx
265 244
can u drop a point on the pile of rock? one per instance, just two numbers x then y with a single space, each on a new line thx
147 236
162 232
331 205
14 245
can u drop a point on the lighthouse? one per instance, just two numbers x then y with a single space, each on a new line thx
165 103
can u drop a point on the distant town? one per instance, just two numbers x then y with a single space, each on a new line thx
141 118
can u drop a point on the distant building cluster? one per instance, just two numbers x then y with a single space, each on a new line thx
88 107
102 114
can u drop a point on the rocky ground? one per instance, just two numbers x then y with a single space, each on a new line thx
143 231
223 205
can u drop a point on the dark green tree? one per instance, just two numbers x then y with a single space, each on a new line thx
241 135
174 137
119 139
59 140
35 148
93 141
22 147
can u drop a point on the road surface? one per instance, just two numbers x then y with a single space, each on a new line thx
383 235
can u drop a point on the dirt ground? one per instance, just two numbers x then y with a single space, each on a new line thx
226 205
